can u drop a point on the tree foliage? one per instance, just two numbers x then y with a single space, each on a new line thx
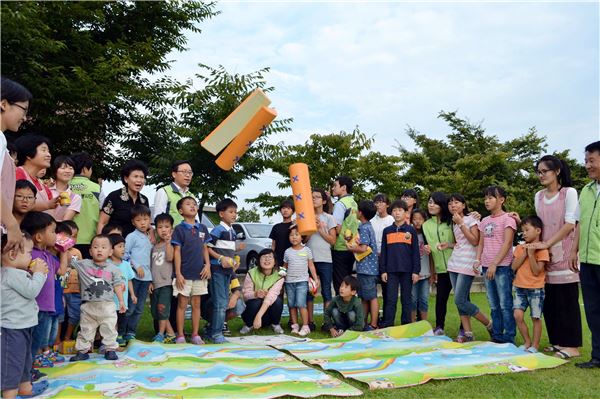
87 64
470 160
251 215
329 156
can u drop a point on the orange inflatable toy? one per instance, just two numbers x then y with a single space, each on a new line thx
305 212
242 142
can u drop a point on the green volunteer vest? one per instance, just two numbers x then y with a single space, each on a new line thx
589 225
435 233
262 282
87 218
172 197
350 222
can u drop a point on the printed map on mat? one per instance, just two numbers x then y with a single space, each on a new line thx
192 371
410 355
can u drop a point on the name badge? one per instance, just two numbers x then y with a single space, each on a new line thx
201 235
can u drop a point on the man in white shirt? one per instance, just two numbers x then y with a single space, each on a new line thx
166 197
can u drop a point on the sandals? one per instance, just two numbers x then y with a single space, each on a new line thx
564 355
552 348
36 390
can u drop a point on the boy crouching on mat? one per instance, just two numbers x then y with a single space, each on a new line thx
345 312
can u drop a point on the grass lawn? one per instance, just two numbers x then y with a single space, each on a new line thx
563 382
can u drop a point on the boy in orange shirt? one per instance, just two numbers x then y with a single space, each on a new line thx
528 264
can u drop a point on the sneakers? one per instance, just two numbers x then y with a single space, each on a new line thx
312 326
180 340
121 341
304 331
438 331
466 337
158 338
226 330
129 337
54 357
219 339
277 329
368 327
41 361
169 339
36 375
295 328
80 356
245 330
461 333
111 355
196 340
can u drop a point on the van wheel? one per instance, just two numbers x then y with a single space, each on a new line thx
251 260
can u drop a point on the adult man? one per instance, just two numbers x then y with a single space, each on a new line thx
589 250
87 218
166 197
345 215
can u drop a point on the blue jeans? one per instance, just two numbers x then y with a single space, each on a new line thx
219 294
343 321
325 273
54 321
462 286
41 332
499 293
297 294
73 302
135 310
420 296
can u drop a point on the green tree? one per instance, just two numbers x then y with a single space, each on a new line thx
329 156
470 160
87 63
248 215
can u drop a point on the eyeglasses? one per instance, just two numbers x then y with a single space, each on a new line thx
25 109
542 172
25 198
267 257
186 172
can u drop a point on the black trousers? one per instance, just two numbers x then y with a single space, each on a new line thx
562 314
590 287
395 279
343 262
444 286
272 315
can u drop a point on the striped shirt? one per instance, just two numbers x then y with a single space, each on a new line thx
464 254
297 264
492 228
223 243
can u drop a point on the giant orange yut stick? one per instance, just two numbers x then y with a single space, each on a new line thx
235 122
305 212
242 142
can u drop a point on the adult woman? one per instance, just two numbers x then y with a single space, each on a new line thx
64 170
440 237
118 204
556 205
261 290
33 155
14 105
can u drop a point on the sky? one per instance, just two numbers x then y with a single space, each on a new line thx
385 66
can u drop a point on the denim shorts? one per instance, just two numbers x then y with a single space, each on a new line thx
367 286
73 303
296 293
530 297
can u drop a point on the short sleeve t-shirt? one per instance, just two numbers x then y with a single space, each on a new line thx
59 212
280 234
492 228
45 298
525 277
380 223
320 248
370 264
223 243
128 274
191 240
162 270
118 206
464 254
297 264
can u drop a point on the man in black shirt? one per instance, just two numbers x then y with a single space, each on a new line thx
280 234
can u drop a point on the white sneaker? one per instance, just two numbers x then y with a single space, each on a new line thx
304 331
245 330
295 328
277 329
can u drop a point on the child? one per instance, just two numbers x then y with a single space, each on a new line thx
71 290
19 312
420 290
345 311
460 265
280 233
138 251
112 228
192 266
42 228
494 254
235 305
24 201
98 278
367 267
117 243
298 261
529 264
399 264
162 278
222 266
